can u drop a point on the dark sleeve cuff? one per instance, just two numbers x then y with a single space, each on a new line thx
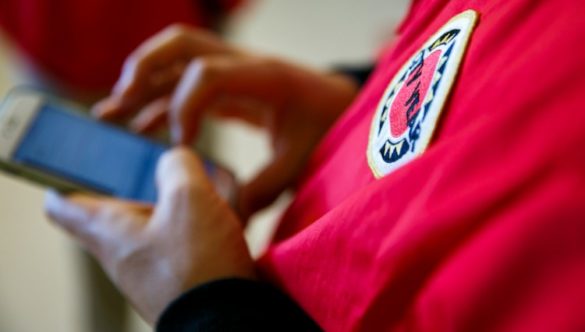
359 74
234 305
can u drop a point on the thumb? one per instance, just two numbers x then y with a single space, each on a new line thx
180 177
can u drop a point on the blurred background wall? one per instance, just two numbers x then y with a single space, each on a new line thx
42 286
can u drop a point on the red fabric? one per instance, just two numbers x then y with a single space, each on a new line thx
483 232
83 43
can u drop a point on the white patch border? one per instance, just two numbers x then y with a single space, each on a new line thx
466 21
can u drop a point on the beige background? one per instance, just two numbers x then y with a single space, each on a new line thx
41 284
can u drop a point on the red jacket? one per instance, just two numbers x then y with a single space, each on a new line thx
83 43
481 226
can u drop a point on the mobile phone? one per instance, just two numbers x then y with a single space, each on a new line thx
53 143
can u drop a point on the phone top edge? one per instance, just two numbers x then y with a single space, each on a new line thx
17 113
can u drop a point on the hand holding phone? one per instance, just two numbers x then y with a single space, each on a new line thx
153 254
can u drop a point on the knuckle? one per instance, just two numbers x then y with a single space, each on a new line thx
271 62
276 66
132 61
205 70
198 67
177 30
138 59
184 190
182 194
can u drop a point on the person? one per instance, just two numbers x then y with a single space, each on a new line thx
448 196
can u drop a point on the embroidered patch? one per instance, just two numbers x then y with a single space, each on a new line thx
409 110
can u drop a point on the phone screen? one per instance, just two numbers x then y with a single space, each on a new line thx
89 153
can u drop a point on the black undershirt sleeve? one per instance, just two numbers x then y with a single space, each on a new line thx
359 73
235 305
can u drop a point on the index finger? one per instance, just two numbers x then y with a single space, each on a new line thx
208 78
154 68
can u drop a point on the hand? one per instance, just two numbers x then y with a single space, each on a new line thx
153 254
181 73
